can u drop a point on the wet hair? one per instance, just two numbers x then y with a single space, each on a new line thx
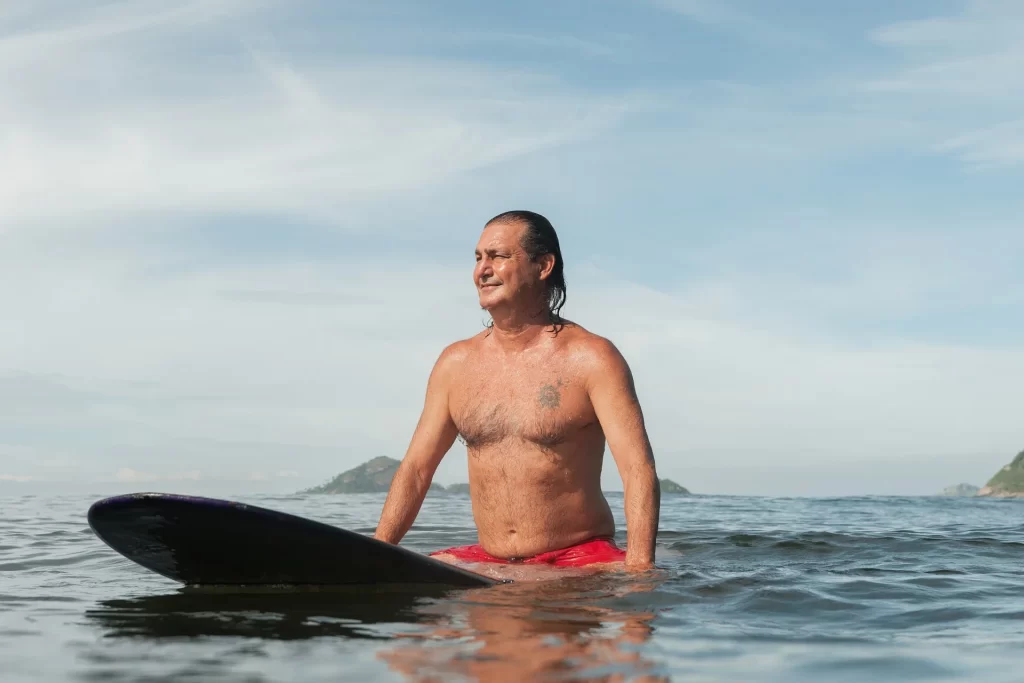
539 239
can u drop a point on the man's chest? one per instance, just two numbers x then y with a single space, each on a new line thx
542 405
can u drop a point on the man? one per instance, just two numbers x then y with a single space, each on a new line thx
534 397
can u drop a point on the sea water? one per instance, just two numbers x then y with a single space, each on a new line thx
748 589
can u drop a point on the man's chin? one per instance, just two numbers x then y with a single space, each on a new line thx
488 299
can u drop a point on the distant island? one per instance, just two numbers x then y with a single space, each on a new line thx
669 486
961 490
375 475
1007 482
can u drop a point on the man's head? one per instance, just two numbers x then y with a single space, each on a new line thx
519 264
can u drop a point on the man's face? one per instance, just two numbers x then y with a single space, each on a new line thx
503 270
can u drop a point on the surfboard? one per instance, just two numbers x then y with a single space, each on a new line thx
201 541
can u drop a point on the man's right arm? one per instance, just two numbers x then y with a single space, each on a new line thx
434 435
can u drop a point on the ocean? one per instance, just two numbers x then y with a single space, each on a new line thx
748 589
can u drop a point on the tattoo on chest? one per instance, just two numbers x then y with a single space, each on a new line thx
550 396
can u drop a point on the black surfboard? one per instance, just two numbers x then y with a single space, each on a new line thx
209 542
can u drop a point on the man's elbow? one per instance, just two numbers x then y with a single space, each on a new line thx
642 466
414 473
641 474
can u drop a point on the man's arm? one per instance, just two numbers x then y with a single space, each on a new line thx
434 435
613 396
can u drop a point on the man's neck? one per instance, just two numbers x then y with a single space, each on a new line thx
515 330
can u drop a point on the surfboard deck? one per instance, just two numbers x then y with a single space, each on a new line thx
201 541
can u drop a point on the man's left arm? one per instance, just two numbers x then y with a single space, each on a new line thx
613 395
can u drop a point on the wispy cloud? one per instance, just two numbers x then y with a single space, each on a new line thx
15 477
265 476
965 72
230 389
127 475
250 129
705 11
981 24
51 25
993 147
729 16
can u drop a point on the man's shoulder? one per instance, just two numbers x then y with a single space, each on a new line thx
458 352
603 365
591 348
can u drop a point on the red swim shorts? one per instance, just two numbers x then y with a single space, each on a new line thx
589 552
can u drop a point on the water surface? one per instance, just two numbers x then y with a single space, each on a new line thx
767 589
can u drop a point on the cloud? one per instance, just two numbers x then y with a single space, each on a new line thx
993 147
282 474
863 273
703 11
789 385
129 475
15 477
54 25
126 474
253 128
730 17
980 24
264 476
946 85
965 73
235 388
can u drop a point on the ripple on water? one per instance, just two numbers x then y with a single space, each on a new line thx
752 589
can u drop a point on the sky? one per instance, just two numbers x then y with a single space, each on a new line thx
235 234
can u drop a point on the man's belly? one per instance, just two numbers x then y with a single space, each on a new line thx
519 520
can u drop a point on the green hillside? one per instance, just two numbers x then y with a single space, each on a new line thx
1007 482
669 486
373 476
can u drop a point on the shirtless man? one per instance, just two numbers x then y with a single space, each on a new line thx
534 397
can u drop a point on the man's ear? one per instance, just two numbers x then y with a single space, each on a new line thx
547 265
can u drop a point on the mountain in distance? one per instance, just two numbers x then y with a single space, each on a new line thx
373 476
1007 482
960 490
669 486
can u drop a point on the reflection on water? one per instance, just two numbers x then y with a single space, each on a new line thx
533 631
285 614
521 631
